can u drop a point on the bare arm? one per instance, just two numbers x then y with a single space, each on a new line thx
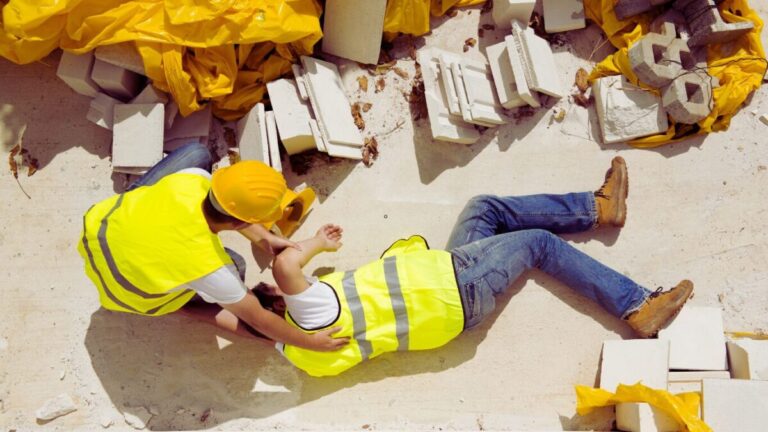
266 240
287 266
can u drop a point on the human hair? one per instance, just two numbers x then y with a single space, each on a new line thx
216 216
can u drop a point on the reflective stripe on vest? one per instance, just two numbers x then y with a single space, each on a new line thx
407 300
162 242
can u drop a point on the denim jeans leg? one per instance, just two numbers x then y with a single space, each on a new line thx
488 215
487 267
239 262
192 155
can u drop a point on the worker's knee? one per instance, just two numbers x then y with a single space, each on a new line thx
541 242
479 203
197 155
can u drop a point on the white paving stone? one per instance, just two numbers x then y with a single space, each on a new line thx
56 407
116 81
102 110
518 69
124 55
137 141
75 70
252 135
506 10
292 115
735 405
447 59
352 29
625 111
748 359
477 95
563 15
541 72
503 76
445 126
696 339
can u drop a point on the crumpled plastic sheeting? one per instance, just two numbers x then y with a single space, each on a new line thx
683 407
739 65
412 16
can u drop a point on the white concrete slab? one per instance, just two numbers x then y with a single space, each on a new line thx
447 59
75 70
292 115
506 10
478 92
252 139
625 111
735 405
748 359
518 69
690 381
318 136
117 82
541 72
301 83
274 146
503 75
353 29
138 136
696 339
563 15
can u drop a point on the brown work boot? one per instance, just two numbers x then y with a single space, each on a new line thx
659 309
611 198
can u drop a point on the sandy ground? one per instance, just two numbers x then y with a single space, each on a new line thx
697 209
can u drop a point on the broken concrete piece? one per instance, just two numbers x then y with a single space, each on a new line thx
696 339
445 126
688 99
563 15
352 29
329 101
656 58
292 115
150 95
519 67
505 11
197 124
503 76
631 361
477 96
137 142
252 135
735 405
764 119
625 111
75 70
707 25
541 72
116 81
447 59
748 359
124 55
102 110
56 407
139 419
274 146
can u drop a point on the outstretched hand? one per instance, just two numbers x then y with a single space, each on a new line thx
324 341
330 237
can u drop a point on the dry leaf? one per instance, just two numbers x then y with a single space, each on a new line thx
370 151
412 52
469 43
30 162
380 84
581 99
205 415
13 163
367 107
581 80
234 157
401 73
359 122
362 82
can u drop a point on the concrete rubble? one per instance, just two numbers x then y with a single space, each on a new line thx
353 29
563 15
748 359
124 55
53 408
293 116
626 111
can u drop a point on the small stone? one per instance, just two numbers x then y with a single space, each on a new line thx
764 119
138 420
62 374
107 422
56 407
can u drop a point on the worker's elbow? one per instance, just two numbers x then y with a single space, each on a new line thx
285 263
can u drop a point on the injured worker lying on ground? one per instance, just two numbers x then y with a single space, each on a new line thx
416 298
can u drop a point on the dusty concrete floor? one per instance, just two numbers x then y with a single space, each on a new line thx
696 209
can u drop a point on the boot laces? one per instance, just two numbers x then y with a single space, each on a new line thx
659 291
601 192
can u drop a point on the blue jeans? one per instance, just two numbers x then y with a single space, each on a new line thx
498 238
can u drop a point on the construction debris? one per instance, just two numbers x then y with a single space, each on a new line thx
252 137
563 15
362 82
748 359
625 111
735 405
53 408
293 116
696 339
117 82
75 70
124 55
504 11
504 76
353 29
137 142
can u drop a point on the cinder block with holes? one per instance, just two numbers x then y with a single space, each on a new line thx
707 25
688 99
655 58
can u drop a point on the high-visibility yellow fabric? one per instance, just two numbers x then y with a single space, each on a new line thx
683 407
739 65
141 244
412 16
408 300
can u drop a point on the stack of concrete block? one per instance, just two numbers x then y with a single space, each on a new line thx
102 109
626 111
563 15
257 137
137 142
629 362
117 82
504 11
352 29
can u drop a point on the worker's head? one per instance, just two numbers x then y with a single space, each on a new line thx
249 191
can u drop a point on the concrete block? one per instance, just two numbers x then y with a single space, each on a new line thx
519 67
252 135
503 76
102 111
707 25
625 111
329 101
137 141
632 361
171 111
301 83
352 29
690 381
447 59
688 99
748 359
627 8
445 126
197 124
150 95
117 82
735 405
764 119
273 144
292 115
696 339
319 139
173 144
541 72
75 70
477 96
124 55
505 11
56 407
563 15
655 59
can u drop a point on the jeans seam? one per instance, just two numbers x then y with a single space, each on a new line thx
593 211
636 306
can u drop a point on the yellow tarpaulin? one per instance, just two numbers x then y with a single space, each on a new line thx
683 407
217 51
739 65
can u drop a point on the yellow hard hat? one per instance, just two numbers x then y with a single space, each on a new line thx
248 190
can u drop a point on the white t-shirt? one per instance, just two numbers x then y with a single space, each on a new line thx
314 308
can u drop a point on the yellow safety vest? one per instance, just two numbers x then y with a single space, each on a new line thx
407 300
140 245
